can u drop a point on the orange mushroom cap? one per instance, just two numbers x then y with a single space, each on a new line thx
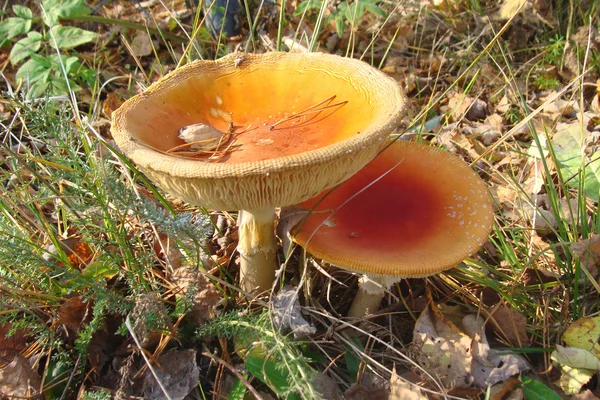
413 211
300 123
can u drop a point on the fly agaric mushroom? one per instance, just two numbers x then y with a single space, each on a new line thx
292 125
413 211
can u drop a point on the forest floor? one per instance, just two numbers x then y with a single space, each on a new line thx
112 288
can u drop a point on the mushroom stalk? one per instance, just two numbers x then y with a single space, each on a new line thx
371 290
258 256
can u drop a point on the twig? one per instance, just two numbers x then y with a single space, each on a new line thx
310 110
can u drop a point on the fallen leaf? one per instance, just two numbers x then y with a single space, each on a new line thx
572 379
111 103
359 392
141 45
11 343
79 254
588 251
178 373
490 366
531 12
461 359
576 358
286 314
585 395
327 387
150 318
402 390
460 104
18 379
510 324
584 334
508 8
192 283
443 350
579 360
509 387
71 314
570 144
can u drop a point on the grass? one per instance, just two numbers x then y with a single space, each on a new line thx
86 235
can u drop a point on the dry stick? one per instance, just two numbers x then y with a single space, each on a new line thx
310 110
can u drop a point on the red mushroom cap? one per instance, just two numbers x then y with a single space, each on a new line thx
413 211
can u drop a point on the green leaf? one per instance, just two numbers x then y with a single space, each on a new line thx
58 86
23 12
69 62
268 371
68 37
37 68
307 5
25 47
375 10
352 361
56 9
99 270
574 163
340 24
14 26
536 390
37 89
238 390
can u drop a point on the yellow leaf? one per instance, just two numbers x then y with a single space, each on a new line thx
584 334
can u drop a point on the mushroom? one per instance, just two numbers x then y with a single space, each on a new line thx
413 211
291 126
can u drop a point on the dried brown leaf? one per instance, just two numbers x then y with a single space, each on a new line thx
502 390
511 325
585 395
71 314
141 45
359 392
150 319
111 103
10 344
178 373
206 296
460 104
18 379
442 349
588 251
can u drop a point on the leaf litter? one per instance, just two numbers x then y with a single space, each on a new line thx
461 357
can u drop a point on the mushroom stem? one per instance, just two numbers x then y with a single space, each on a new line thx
371 290
257 249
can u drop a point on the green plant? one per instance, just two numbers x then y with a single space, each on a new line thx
345 12
273 358
544 82
76 236
555 50
54 71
